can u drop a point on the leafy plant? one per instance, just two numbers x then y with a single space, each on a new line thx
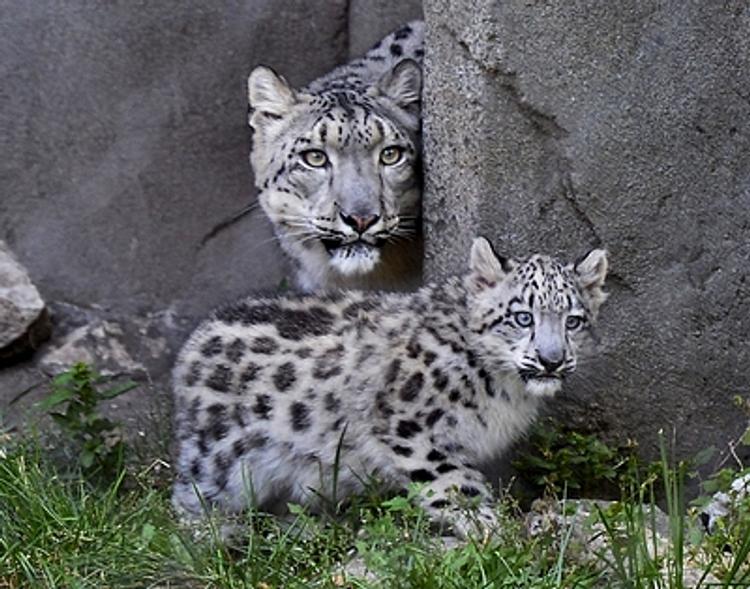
722 478
564 458
99 440
727 547
642 556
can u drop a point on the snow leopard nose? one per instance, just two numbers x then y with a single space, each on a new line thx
359 223
551 362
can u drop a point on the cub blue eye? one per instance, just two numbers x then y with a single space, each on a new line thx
523 319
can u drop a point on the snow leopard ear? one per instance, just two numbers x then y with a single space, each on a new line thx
403 84
486 268
269 95
591 270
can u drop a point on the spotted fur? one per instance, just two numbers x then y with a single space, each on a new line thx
272 394
337 166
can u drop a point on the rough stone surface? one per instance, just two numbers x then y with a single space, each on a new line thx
99 344
369 18
577 525
562 126
24 322
124 169
125 141
120 347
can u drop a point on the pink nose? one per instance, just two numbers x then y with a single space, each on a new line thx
358 223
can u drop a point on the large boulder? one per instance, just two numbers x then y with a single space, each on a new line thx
563 126
24 321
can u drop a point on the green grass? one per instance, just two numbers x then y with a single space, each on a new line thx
57 530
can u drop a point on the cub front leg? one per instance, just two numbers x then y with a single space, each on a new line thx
455 494
462 501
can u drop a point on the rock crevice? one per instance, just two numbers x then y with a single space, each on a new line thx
559 128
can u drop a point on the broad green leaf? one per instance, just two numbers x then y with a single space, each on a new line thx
57 397
704 456
147 533
86 458
536 462
397 504
295 508
745 439
63 379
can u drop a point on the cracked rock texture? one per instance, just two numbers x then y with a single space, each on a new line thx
562 126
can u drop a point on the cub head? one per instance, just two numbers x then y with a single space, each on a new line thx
338 168
533 317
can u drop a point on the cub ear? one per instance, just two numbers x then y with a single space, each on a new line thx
486 268
403 84
592 271
270 96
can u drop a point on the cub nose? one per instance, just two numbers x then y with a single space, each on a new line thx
551 362
359 223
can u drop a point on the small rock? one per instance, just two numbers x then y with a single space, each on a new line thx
356 568
99 344
24 320
577 524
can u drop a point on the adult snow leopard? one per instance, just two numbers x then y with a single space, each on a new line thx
337 166
296 399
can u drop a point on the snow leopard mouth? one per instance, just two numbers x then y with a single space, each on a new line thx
532 375
332 245
354 259
541 384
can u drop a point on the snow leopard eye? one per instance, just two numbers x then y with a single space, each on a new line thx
523 319
315 158
573 322
391 155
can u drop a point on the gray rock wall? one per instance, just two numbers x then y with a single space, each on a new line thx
124 143
562 126
123 153
549 126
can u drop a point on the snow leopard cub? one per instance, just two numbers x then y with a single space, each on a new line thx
273 394
337 167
